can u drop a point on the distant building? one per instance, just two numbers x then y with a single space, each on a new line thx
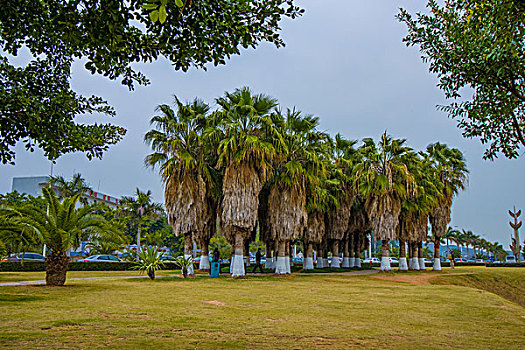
32 185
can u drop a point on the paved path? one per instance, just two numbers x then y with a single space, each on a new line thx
42 282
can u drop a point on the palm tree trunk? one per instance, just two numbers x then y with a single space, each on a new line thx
237 267
402 256
351 260
269 255
289 250
280 264
346 253
420 254
56 268
335 254
414 256
138 237
205 261
385 256
187 250
319 260
437 258
448 250
357 249
309 257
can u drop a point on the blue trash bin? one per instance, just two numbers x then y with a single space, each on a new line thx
215 269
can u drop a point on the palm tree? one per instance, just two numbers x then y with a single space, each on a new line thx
468 238
60 227
183 161
77 186
342 173
382 177
138 208
248 145
294 168
452 170
413 226
459 239
449 235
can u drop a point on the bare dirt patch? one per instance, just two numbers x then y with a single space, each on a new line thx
214 302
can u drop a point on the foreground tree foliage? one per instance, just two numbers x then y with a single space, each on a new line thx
60 226
37 104
477 45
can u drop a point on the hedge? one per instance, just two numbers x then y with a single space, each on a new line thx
506 265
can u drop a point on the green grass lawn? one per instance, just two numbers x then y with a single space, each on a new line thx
300 311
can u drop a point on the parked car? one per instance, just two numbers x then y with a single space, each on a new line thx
167 258
101 258
27 257
510 259
393 260
427 261
372 261
297 260
330 260
460 260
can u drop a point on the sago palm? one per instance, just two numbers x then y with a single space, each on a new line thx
61 226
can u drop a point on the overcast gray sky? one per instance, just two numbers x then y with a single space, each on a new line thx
344 62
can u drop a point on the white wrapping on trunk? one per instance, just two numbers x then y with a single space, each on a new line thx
288 264
351 262
403 264
325 263
357 262
269 263
346 262
280 265
335 262
421 264
437 264
190 268
237 266
308 263
319 262
204 263
415 264
385 263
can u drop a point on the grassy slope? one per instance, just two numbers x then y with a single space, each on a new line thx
318 311
508 283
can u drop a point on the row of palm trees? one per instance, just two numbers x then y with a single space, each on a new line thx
250 167
466 238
